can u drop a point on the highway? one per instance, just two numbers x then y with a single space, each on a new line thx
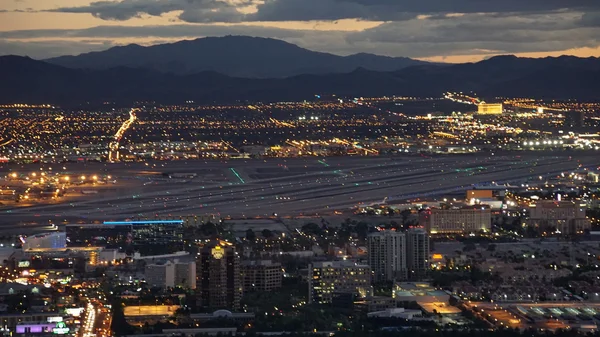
293 187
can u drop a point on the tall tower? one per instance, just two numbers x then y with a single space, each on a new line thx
387 255
218 283
417 253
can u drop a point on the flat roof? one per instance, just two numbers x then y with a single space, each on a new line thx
439 307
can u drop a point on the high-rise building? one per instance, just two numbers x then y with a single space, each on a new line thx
185 274
574 119
566 217
489 109
160 274
218 281
148 237
417 253
264 275
387 255
456 220
325 279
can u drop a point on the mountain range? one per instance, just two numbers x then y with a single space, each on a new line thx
237 56
25 80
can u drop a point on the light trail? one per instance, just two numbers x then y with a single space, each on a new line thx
324 163
237 175
355 146
113 147
7 142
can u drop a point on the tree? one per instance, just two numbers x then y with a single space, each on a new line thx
250 235
119 324
405 214
209 229
312 229
267 234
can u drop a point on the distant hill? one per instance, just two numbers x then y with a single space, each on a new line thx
29 81
238 56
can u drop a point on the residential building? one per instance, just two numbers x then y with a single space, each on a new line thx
417 253
337 277
218 281
387 255
574 119
263 275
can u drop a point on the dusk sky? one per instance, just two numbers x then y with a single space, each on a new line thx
440 30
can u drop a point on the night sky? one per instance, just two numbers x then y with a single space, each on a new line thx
439 30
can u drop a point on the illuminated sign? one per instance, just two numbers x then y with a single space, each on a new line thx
24 264
75 312
54 319
61 329
217 252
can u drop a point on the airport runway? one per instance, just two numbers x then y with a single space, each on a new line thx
291 187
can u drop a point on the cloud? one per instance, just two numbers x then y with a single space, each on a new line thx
591 19
305 10
441 34
481 34
309 10
51 48
479 6
170 31
218 10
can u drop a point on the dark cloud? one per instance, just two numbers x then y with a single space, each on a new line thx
481 34
170 31
591 19
51 48
478 6
302 10
220 10
306 10
437 34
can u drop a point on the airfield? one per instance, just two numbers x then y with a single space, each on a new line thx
284 187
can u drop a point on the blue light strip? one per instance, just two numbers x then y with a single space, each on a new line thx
149 222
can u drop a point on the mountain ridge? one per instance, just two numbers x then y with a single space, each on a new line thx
30 81
237 56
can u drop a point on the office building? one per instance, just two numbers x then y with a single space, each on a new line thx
263 275
417 253
160 274
218 281
185 274
387 255
328 279
489 109
574 119
456 220
94 235
56 240
561 217
148 237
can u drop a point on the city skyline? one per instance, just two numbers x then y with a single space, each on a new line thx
458 32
